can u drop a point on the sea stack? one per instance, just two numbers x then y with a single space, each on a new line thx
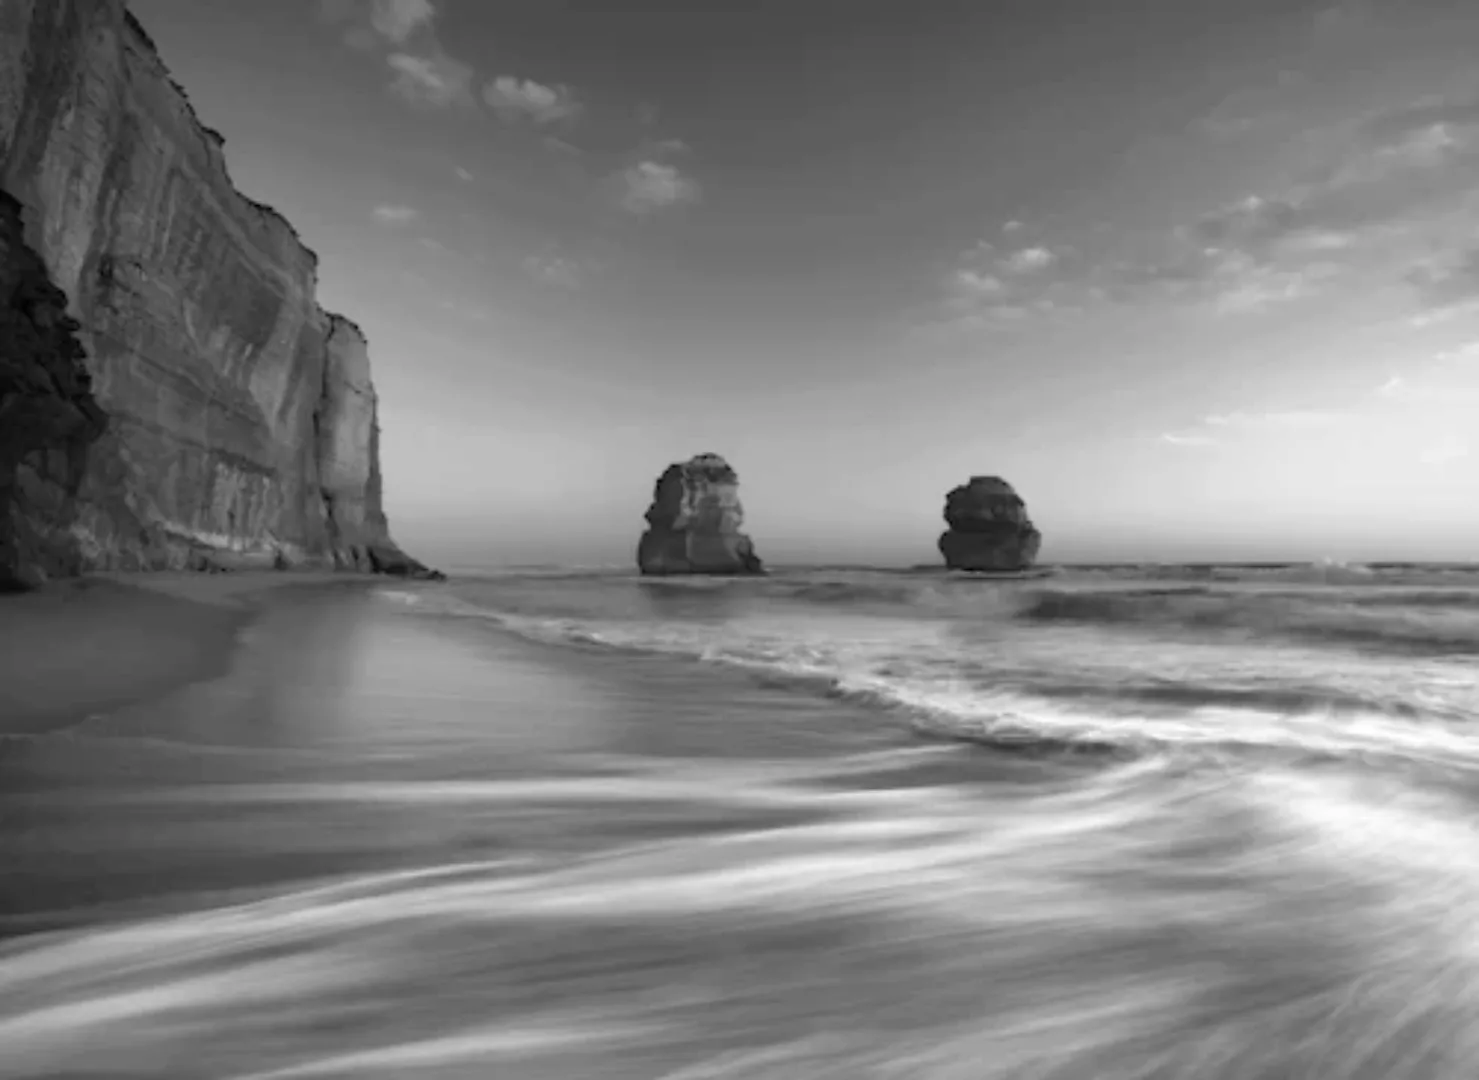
694 522
989 528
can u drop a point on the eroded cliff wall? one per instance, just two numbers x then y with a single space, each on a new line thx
241 417
48 416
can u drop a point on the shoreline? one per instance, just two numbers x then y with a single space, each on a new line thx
92 645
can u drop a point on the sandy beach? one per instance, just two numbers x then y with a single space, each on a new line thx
90 645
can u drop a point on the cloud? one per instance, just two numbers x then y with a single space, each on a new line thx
556 270
1030 259
973 283
1286 419
435 80
1424 126
404 33
514 99
1447 383
1375 195
1253 221
1246 257
1180 439
462 174
393 214
649 186
992 291
1244 286
1448 284
1366 203
397 20
394 21
1217 428
1461 354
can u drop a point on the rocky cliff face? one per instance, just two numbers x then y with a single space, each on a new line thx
694 522
241 422
48 417
989 528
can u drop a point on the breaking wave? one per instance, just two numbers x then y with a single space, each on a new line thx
1077 664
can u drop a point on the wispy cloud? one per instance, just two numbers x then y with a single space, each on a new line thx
558 270
1176 438
1219 428
1394 387
433 79
1030 259
649 186
1446 285
972 283
515 99
403 33
1462 354
397 20
1286 419
990 289
393 21
1365 205
465 175
393 214
1423 413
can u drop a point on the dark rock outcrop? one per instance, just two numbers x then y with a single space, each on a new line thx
241 421
694 522
989 528
48 417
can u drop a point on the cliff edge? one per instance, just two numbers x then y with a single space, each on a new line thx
694 522
241 423
989 528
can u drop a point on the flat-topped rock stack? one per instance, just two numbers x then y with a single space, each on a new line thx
989 528
694 522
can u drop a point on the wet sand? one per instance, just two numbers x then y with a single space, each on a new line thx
302 726
95 644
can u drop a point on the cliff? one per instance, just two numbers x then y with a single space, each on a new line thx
241 421
48 416
989 528
694 522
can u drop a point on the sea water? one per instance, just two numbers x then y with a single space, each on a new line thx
1136 822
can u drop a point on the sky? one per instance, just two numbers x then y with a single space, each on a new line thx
1200 279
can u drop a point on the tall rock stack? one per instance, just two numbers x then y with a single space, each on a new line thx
694 522
989 528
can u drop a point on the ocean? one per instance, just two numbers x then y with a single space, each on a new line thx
1117 822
